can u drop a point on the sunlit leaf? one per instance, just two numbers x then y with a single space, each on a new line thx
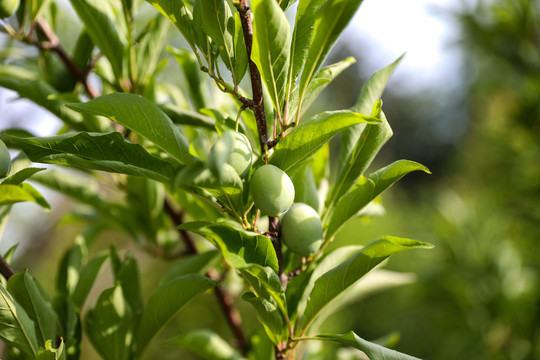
143 117
337 280
207 345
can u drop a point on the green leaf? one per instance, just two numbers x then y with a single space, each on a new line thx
227 188
149 46
305 188
388 175
87 277
337 280
372 140
349 205
143 117
269 315
198 263
166 302
367 190
300 286
370 93
11 194
180 16
271 47
130 277
328 21
21 175
106 29
196 83
181 116
238 246
25 291
16 328
304 140
240 51
372 350
317 85
109 325
268 279
106 152
216 22
28 85
50 353
207 344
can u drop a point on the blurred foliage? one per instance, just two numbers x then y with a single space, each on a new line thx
479 296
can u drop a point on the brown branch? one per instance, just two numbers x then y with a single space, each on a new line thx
53 44
5 269
225 300
256 81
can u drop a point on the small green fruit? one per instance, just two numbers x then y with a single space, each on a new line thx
5 160
272 190
301 229
240 154
8 7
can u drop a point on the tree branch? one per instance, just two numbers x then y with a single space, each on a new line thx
256 81
6 270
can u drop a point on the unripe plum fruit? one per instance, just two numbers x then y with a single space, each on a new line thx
301 229
5 160
272 190
8 7
240 156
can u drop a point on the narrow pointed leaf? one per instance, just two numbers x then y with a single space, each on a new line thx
29 85
26 292
304 140
166 302
106 152
179 15
271 47
227 188
366 190
372 140
270 316
109 325
217 23
107 30
240 51
328 22
370 93
207 345
337 280
238 246
388 175
372 350
12 194
143 117
87 277
318 84
16 328
269 280
21 175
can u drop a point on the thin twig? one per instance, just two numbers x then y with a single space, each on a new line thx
5 269
225 300
53 44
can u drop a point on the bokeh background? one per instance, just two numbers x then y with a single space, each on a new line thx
466 103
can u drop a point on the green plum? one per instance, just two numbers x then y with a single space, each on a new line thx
8 7
234 149
272 190
5 160
301 229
